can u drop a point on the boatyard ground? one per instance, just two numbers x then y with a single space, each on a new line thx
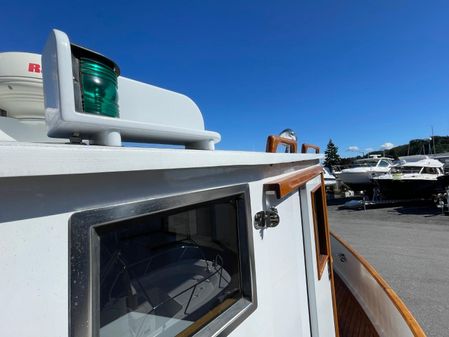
409 247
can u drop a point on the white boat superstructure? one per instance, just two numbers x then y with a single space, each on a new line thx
410 180
329 178
111 241
359 176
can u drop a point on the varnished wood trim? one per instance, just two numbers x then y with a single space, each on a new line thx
399 304
290 183
321 259
191 329
306 147
274 141
353 320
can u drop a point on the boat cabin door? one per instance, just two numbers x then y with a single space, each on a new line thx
318 258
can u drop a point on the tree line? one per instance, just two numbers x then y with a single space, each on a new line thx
436 144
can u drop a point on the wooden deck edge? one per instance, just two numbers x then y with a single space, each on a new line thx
290 183
411 321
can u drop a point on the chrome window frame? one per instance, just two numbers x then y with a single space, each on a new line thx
83 266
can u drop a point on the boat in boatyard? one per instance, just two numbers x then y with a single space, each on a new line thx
103 240
329 178
422 179
358 177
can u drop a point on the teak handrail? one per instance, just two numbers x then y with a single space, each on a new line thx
274 141
290 183
306 147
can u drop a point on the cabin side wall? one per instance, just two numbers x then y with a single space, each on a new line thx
35 253
34 283
320 289
280 272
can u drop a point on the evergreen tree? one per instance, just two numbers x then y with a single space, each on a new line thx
331 155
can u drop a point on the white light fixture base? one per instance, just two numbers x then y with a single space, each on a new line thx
147 113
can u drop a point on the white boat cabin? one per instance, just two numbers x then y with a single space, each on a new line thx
101 240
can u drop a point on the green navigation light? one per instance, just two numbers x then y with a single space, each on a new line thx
99 88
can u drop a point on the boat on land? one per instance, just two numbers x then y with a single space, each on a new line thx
102 240
329 178
422 179
358 176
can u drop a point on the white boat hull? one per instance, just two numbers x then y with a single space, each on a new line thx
360 176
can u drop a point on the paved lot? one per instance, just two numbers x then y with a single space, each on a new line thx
409 246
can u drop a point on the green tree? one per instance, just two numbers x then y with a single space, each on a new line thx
331 154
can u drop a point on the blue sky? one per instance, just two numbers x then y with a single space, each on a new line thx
363 73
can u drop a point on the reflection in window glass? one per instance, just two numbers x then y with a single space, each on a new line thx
170 272
366 163
409 169
384 163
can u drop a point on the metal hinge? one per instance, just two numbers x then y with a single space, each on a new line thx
266 219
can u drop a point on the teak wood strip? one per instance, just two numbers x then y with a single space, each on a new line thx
274 141
352 319
306 147
402 308
197 325
292 182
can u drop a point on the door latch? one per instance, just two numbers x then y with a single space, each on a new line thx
266 219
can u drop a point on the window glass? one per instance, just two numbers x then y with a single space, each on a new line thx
366 163
430 170
384 163
169 273
410 169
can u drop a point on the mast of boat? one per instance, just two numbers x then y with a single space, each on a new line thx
433 141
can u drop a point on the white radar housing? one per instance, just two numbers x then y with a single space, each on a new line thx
21 94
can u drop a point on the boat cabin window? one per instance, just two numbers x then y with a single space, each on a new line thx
366 163
170 273
430 170
383 163
319 209
410 169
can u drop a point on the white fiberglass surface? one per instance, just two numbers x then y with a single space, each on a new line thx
320 295
33 286
282 303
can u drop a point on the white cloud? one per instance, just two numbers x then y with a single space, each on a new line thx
353 148
387 146
369 149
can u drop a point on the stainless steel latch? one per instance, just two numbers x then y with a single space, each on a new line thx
266 219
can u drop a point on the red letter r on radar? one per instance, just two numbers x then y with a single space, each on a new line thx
34 68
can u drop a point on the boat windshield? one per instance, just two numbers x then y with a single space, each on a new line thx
366 163
417 169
